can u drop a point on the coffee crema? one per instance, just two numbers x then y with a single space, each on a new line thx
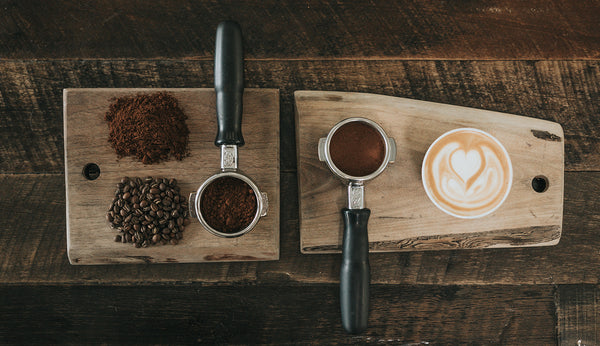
467 173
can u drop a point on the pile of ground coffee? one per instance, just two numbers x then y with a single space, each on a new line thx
149 127
148 211
228 204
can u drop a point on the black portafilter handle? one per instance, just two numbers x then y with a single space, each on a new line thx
355 274
229 83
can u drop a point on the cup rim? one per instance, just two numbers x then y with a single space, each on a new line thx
510 173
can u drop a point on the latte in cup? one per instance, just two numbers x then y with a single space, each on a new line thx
467 173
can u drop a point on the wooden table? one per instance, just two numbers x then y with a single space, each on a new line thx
539 59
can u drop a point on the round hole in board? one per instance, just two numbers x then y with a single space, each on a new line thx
540 183
91 171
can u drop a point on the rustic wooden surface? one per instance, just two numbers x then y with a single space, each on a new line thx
539 59
402 217
90 238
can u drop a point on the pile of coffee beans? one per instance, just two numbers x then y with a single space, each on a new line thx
148 211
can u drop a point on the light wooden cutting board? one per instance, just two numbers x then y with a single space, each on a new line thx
90 240
402 217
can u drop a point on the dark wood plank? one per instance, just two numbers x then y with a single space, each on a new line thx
578 314
407 29
33 248
274 315
562 91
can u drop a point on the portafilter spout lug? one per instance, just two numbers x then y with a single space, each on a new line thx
356 195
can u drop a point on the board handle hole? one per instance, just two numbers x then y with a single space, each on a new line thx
540 183
91 171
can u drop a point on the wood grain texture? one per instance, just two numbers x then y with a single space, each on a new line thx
89 237
408 29
561 91
402 216
34 247
578 314
190 314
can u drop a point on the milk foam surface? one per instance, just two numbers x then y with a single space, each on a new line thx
467 173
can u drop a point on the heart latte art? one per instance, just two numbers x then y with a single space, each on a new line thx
467 173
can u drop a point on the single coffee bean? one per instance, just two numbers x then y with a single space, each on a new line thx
118 238
144 203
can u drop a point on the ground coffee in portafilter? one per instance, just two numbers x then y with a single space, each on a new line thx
149 127
148 211
357 149
228 204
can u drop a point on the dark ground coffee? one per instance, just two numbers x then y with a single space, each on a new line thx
357 149
228 204
151 127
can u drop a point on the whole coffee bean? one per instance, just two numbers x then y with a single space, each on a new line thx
147 211
118 238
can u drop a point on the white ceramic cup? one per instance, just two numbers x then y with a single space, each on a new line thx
467 173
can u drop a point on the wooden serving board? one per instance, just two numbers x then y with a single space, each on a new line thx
90 240
402 216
